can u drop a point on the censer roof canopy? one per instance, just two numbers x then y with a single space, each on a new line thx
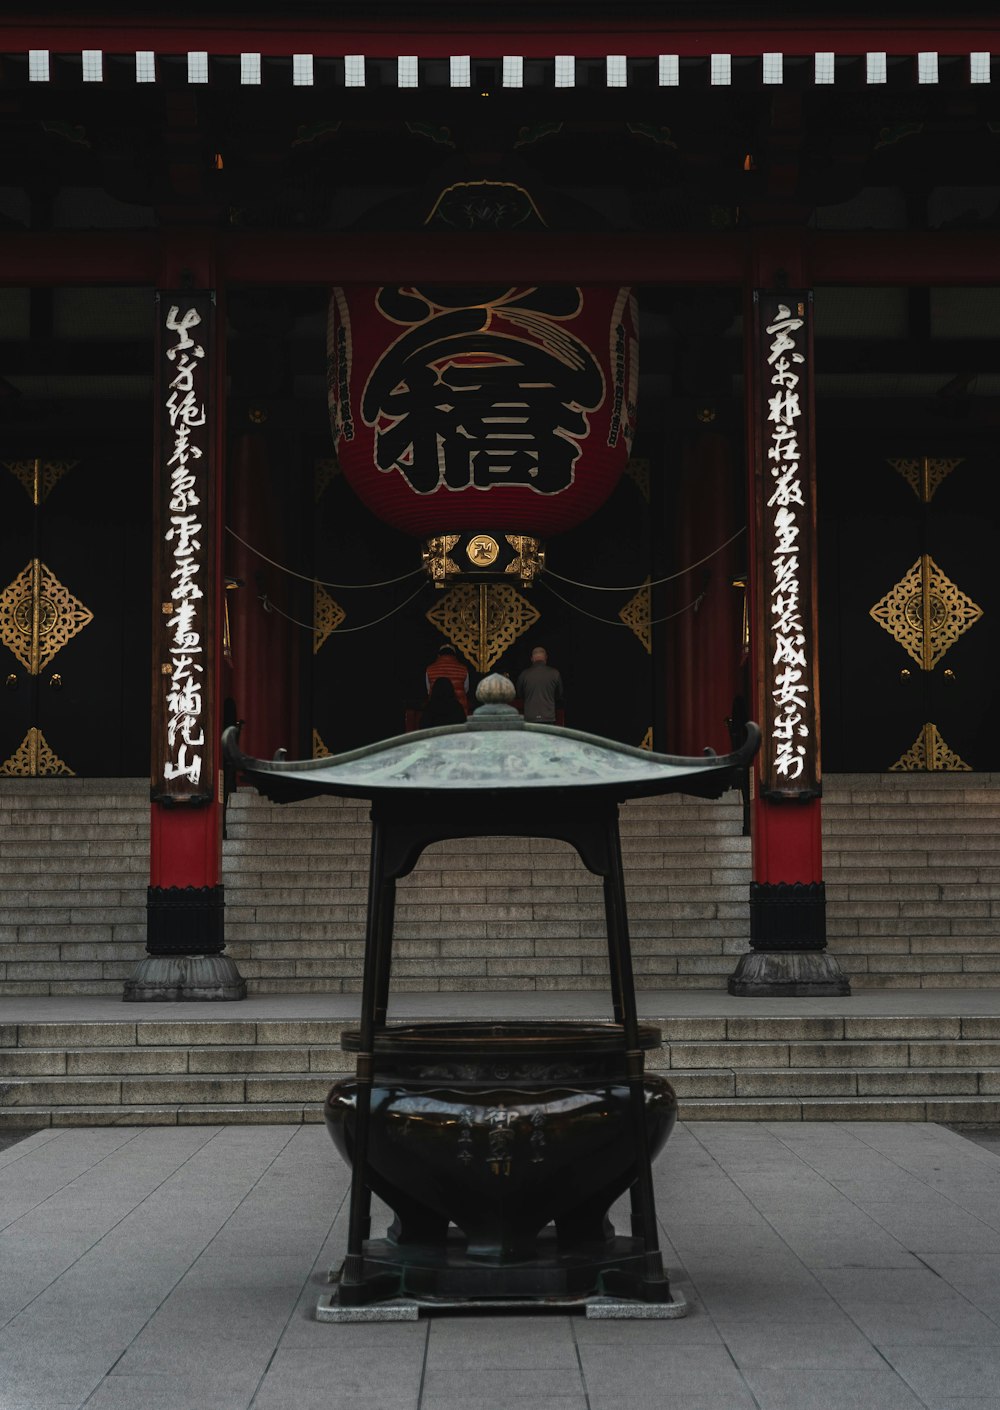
495 751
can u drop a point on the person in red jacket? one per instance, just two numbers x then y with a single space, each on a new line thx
447 664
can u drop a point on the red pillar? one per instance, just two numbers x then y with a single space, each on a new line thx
787 897
704 673
185 901
263 676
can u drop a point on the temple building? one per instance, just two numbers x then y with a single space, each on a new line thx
662 336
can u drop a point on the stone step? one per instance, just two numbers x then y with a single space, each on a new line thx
946 1110
123 1034
864 1083
160 1090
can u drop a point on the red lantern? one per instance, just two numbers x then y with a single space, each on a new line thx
507 406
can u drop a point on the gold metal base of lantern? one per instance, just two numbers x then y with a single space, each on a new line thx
479 555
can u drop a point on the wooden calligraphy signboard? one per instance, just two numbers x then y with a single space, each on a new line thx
183 753
785 538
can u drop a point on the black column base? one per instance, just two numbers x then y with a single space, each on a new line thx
185 938
185 920
789 958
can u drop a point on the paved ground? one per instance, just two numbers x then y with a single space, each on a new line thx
830 1267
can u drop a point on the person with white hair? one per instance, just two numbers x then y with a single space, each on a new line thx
540 688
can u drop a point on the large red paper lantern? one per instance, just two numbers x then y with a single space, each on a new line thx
505 406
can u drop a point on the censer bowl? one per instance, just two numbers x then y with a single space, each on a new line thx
500 1130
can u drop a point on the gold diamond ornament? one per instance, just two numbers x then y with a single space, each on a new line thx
482 620
926 612
925 475
39 615
39 477
34 758
327 616
929 752
324 474
636 614
637 470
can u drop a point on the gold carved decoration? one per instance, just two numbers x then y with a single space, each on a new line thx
38 616
646 742
638 472
925 475
926 613
327 616
435 555
39 477
324 473
929 752
482 620
320 750
35 759
482 550
529 559
636 614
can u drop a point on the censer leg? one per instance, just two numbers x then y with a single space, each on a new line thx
655 1286
385 921
376 939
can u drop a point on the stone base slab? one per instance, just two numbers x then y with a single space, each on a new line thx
788 974
160 978
328 1309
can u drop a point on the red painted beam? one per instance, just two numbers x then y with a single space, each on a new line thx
244 257
489 38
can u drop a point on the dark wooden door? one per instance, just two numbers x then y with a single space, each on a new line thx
363 681
908 605
74 613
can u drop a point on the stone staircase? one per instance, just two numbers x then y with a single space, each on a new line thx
912 866
165 1072
484 913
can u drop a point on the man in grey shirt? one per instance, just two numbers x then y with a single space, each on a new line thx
540 688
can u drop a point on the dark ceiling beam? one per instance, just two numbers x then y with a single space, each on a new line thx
125 357
897 258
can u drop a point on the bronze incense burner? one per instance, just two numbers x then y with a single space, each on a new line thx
499 1147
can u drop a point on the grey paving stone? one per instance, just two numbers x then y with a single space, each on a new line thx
682 1370
846 1387
900 1307
165 1392
499 1387
938 1378
501 1342
975 1275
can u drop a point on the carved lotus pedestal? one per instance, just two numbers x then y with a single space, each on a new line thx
500 1149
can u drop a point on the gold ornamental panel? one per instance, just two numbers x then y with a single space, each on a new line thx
34 758
436 560
528 560
39 615
39 477
482 620
926 612
925 475
319 749
327 616
636 614
646 742
928 752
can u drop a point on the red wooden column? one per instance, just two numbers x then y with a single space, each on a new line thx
787 897
185 933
